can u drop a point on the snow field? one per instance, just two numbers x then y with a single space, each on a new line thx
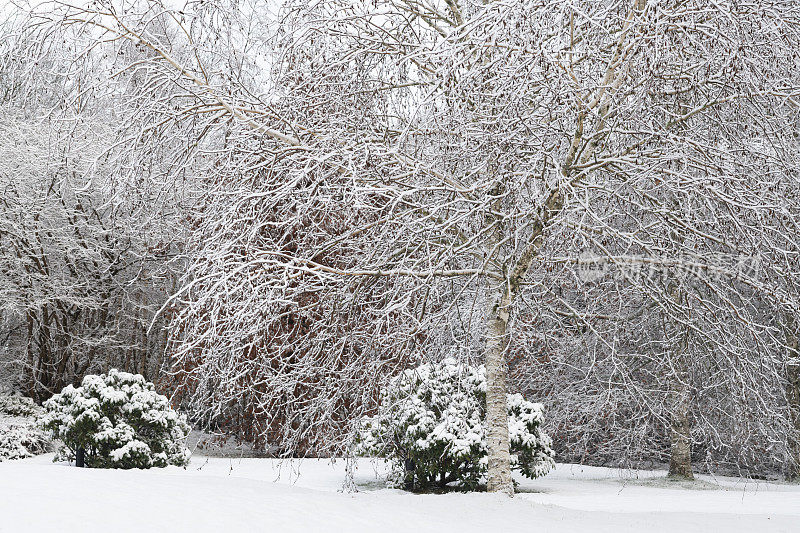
220 494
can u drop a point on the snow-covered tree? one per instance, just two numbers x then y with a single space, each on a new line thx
80 281
119 421
89 236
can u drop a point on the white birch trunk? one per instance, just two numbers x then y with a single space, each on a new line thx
498 445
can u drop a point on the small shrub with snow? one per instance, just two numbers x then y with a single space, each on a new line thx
20 435
19 406
120 421
430 426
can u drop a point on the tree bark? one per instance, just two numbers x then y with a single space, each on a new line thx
793 399
498 442
680 462
680 431
793 466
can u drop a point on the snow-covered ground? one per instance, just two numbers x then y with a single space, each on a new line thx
228 495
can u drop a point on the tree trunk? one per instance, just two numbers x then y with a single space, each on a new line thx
30 372
680 430
793 465
680 461
498 442
793 398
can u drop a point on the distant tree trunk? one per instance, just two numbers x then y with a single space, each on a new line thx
793 470
30 373
680 461
793 397
498 443
680 430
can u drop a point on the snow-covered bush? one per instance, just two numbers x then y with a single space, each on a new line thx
430 426
20 436
21 439
120 421
19 406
